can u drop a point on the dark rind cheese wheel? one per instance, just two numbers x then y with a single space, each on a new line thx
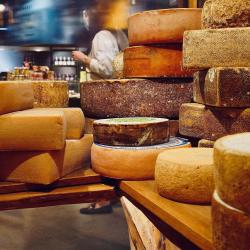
231 227
214 87
136 131
149 61
211 123
162 26
130 163
135 97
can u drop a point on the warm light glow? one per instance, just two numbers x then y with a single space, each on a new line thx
2 7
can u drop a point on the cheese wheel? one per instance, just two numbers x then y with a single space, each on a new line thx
117 65
232 170
135 97
162 26
211 123
185 175
149 61
130 163
45 167
50 94
231 227
15 96
32 130
88 129
203 49
206 143
225 13
214 87
174 128
133 131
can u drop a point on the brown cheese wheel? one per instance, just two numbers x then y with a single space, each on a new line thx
206 143
162 26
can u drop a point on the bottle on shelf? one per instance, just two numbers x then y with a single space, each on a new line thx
56 61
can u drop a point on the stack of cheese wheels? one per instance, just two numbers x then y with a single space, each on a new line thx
38 145
220 53
231 204
127 148
186 175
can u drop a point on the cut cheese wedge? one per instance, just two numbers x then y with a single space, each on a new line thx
32 130
130 163
162 26
186 175
45 167
231 227
133 131
15 96
232 170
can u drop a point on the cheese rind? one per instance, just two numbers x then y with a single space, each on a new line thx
130 163
211 123
162 26
15 96
232 170
154 61
231 227
45 167
185 175
32 130
203 49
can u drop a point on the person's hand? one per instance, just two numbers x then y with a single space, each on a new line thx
79 56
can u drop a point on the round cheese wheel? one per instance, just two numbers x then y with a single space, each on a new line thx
162 26
132 131
149 61
130 163
203 143
232 170
231 227
186 175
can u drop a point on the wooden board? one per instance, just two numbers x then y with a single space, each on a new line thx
192 221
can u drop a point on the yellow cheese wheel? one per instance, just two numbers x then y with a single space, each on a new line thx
186 175
131 163
231 227
15 96
32 130
45 167
232 170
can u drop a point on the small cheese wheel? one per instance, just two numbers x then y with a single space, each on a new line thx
130 163
45 167
231 227
232 170
15 96
185 175
162 26
133 131
203 143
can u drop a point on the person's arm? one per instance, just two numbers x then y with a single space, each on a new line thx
80 56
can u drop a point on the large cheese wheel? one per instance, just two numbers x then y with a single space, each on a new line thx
186 175
206 143
131 163
45 167
32 130
15 96
50 94
162 26
215 87
211 123
231 227
149 61
225 13
133 131
203 49
232 170
135 97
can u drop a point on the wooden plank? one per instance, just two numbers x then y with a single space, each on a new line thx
58 196
192 221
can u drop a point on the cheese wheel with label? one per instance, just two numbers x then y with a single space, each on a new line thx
232 170
45 167
131 131
162 26
130 163
186 175
154 61
15 96
231 226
